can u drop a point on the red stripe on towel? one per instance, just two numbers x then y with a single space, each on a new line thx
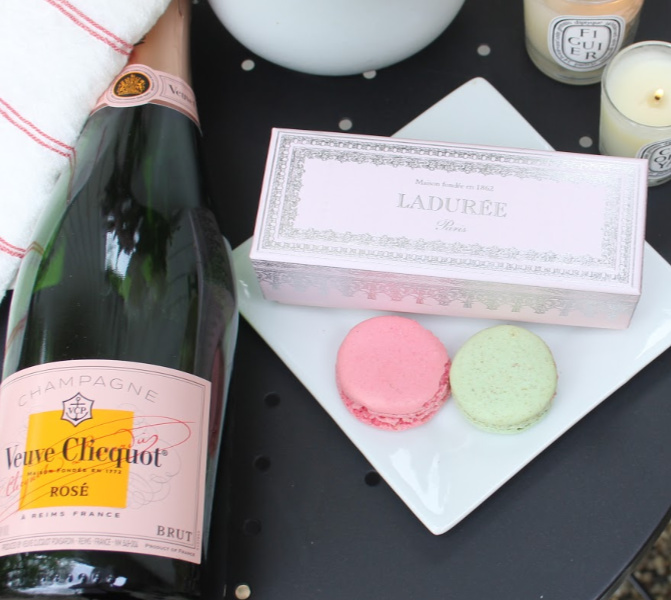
10 249
34 132
92 27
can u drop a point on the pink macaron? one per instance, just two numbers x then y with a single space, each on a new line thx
392 373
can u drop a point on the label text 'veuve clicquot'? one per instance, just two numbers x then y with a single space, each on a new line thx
84 450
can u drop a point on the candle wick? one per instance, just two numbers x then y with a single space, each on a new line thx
659 94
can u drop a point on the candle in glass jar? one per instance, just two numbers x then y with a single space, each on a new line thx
573 40
636 107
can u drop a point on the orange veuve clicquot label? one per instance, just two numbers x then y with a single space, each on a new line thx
103 455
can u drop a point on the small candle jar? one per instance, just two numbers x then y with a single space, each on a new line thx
636 107
573 40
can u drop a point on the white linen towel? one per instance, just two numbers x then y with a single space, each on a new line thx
56 58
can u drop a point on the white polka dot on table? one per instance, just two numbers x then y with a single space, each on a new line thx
345 124
484 50
586 142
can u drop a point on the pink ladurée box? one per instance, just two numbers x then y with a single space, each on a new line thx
354 221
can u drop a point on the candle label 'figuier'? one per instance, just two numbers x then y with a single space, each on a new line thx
658 155
585 43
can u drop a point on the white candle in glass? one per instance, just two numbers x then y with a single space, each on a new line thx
636 107
573 40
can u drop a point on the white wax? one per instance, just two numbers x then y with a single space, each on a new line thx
634 123
632 86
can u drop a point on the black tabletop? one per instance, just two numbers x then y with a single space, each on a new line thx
308 517
300 512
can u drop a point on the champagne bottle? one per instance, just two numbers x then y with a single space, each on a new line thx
120 342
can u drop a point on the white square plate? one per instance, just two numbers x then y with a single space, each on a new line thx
444 469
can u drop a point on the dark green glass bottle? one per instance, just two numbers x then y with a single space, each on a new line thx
134 272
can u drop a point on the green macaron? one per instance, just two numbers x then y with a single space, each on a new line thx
504 379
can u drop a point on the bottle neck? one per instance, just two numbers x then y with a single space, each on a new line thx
158 70
166 46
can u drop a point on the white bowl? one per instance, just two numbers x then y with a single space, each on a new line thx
335 37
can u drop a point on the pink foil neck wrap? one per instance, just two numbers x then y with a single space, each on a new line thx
158 70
